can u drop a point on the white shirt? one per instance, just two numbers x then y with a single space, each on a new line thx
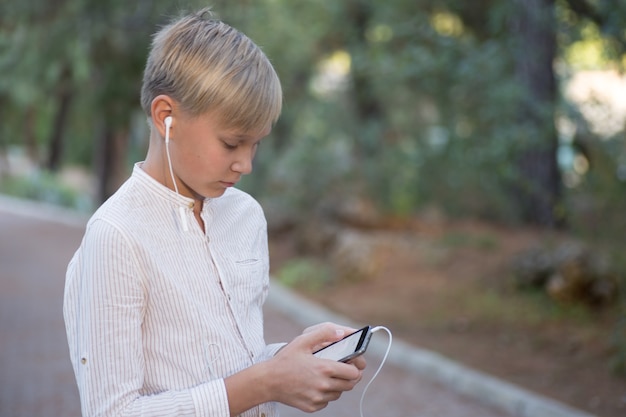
156 316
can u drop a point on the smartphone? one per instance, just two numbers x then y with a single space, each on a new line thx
347 348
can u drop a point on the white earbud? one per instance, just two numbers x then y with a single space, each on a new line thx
168 125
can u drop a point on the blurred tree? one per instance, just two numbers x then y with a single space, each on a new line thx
84 51
63 95
118 38
533 28
408 101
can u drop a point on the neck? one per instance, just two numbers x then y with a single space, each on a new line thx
155 163
157 167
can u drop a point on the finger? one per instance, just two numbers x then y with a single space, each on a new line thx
321 335
359 362
319 326
342 385
344 371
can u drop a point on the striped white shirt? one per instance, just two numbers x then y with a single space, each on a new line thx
157 316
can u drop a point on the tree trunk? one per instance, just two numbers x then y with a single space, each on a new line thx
369 112
110 161
30 136
539 188
64 100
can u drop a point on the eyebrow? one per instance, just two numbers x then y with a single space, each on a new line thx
243 137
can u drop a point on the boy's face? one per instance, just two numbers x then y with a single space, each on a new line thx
206 158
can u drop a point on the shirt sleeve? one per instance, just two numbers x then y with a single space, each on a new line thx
104 306
271 350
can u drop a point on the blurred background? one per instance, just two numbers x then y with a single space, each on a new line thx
512 111
402 119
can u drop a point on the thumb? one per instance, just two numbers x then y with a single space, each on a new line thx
321 336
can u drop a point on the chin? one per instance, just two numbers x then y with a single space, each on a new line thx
215 193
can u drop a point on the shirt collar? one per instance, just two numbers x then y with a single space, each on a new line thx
164 192
159 189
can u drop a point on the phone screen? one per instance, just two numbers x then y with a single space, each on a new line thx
347 348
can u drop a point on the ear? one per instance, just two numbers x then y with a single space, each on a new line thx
162 107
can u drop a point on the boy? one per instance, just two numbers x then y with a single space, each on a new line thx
163 299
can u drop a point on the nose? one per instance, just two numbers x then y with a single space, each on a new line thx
243 163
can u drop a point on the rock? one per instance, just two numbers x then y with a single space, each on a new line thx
570 273
354 257
356 212
582 276
533 268
317 236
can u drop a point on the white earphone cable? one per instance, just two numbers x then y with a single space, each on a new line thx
181 210
374 330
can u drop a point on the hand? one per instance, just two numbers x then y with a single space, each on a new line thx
309 383
340 333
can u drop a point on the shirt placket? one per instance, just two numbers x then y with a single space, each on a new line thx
228 298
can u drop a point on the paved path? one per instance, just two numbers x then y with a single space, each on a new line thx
36 378
395 392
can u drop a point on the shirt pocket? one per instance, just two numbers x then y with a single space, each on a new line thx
249 280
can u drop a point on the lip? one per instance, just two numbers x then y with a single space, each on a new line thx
228 184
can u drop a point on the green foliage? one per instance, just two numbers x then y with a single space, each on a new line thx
427 111
304 273
47 188
94 50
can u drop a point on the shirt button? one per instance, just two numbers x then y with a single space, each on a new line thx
83 360
262 414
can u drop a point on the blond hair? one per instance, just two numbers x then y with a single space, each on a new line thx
206 65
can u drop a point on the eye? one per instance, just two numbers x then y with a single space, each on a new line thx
229 146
